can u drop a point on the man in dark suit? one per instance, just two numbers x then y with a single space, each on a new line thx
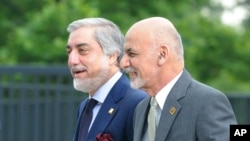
180 108
94 49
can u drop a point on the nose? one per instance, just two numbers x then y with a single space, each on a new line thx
73 58
124 62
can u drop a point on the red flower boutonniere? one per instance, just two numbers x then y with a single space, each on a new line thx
104 137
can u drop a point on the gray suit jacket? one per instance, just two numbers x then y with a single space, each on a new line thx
192 112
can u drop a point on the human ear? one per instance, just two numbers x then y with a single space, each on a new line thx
113 58
163 55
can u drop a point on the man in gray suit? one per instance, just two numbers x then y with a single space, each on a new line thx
184 109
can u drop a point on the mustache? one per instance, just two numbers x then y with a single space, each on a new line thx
129 69
77 68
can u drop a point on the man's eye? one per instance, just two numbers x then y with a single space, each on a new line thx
68 51
83 51
131 54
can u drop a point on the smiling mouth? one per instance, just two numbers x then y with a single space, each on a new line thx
78 72
132 75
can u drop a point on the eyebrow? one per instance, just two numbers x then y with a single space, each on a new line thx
79 45
129 50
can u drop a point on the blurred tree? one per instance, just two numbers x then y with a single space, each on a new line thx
42 39
215 54
246 5
13 15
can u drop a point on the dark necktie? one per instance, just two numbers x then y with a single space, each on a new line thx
86 119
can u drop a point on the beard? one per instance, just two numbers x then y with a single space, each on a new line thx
88 85
137 81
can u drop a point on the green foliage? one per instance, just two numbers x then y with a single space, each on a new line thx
35 33
43 38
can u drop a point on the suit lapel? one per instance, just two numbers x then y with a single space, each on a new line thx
80 112
104 117
169 113
109 108
141 119
172 107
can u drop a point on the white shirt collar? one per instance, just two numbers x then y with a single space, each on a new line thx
162 95
103 91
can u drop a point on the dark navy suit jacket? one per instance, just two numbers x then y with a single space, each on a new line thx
123 99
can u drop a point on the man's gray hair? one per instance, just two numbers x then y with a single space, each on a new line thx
107 34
